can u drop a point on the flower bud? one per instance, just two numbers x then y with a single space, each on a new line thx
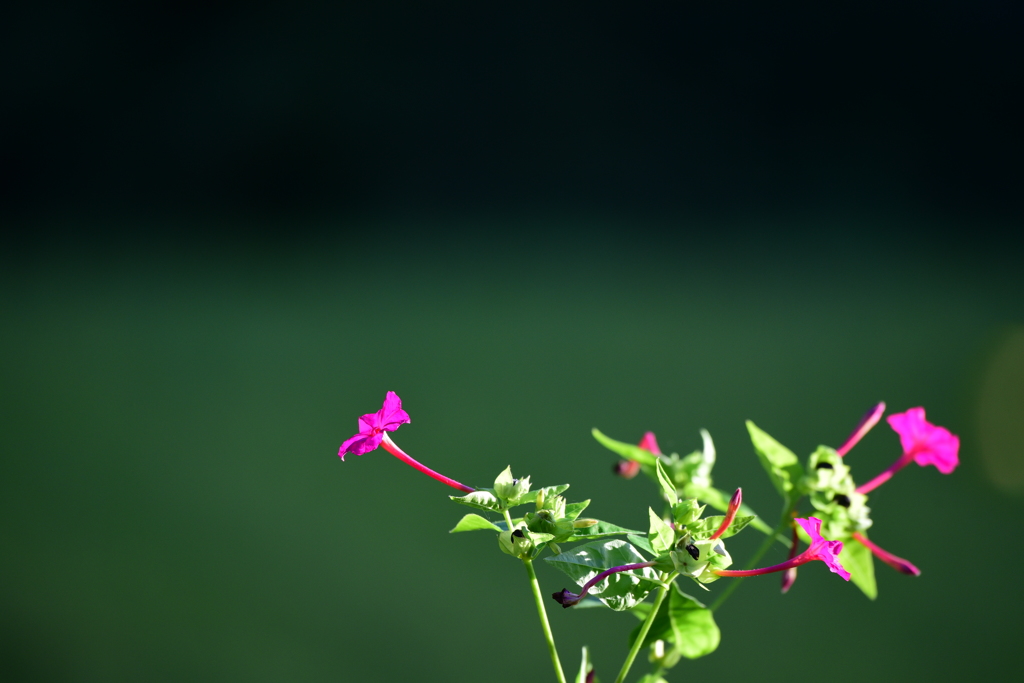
510 490
515 543
565 598
687 511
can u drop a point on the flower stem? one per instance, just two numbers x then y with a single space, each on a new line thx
897 563
542 613
644 629
392 448
781 567
885 476
768 542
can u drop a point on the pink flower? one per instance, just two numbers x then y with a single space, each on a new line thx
649 443
923 443
929 444
820 549
373 425
373 428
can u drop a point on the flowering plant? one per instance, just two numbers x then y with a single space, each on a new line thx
620 568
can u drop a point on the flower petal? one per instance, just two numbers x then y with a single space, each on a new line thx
813 528
391 415
360 444
829 554
649 443
930 444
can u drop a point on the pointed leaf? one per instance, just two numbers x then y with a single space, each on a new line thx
668 489
661 534
642 543
782 466
472 522
573 510
859 561
628 451
705 528
621 590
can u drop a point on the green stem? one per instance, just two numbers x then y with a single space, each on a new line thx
542 613
787 519
639 642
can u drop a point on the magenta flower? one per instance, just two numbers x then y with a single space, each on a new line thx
373 425
820 549
923 443
373 428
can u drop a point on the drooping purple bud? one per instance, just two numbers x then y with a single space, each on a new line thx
565 598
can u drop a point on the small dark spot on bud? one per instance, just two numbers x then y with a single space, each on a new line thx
515 481
842 499
823 466
694 552
518 533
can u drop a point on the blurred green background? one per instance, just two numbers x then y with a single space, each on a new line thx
232 231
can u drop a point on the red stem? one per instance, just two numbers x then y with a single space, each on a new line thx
800 559
885 476
897 563
869 420
624 568
392 448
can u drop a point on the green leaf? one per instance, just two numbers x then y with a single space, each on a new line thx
642 543
472 522
661 535
628 451
782 466
603 530
481 499
573 510
620 591
668 489
685 622
859 561
704 528
547 490
585 666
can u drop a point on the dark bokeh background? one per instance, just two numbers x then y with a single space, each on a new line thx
230 230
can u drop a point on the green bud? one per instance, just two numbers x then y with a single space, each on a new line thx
515 543
826 471
584 523
510 490
687 511
697 559
664 655
555 504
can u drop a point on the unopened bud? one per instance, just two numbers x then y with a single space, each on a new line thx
565 598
